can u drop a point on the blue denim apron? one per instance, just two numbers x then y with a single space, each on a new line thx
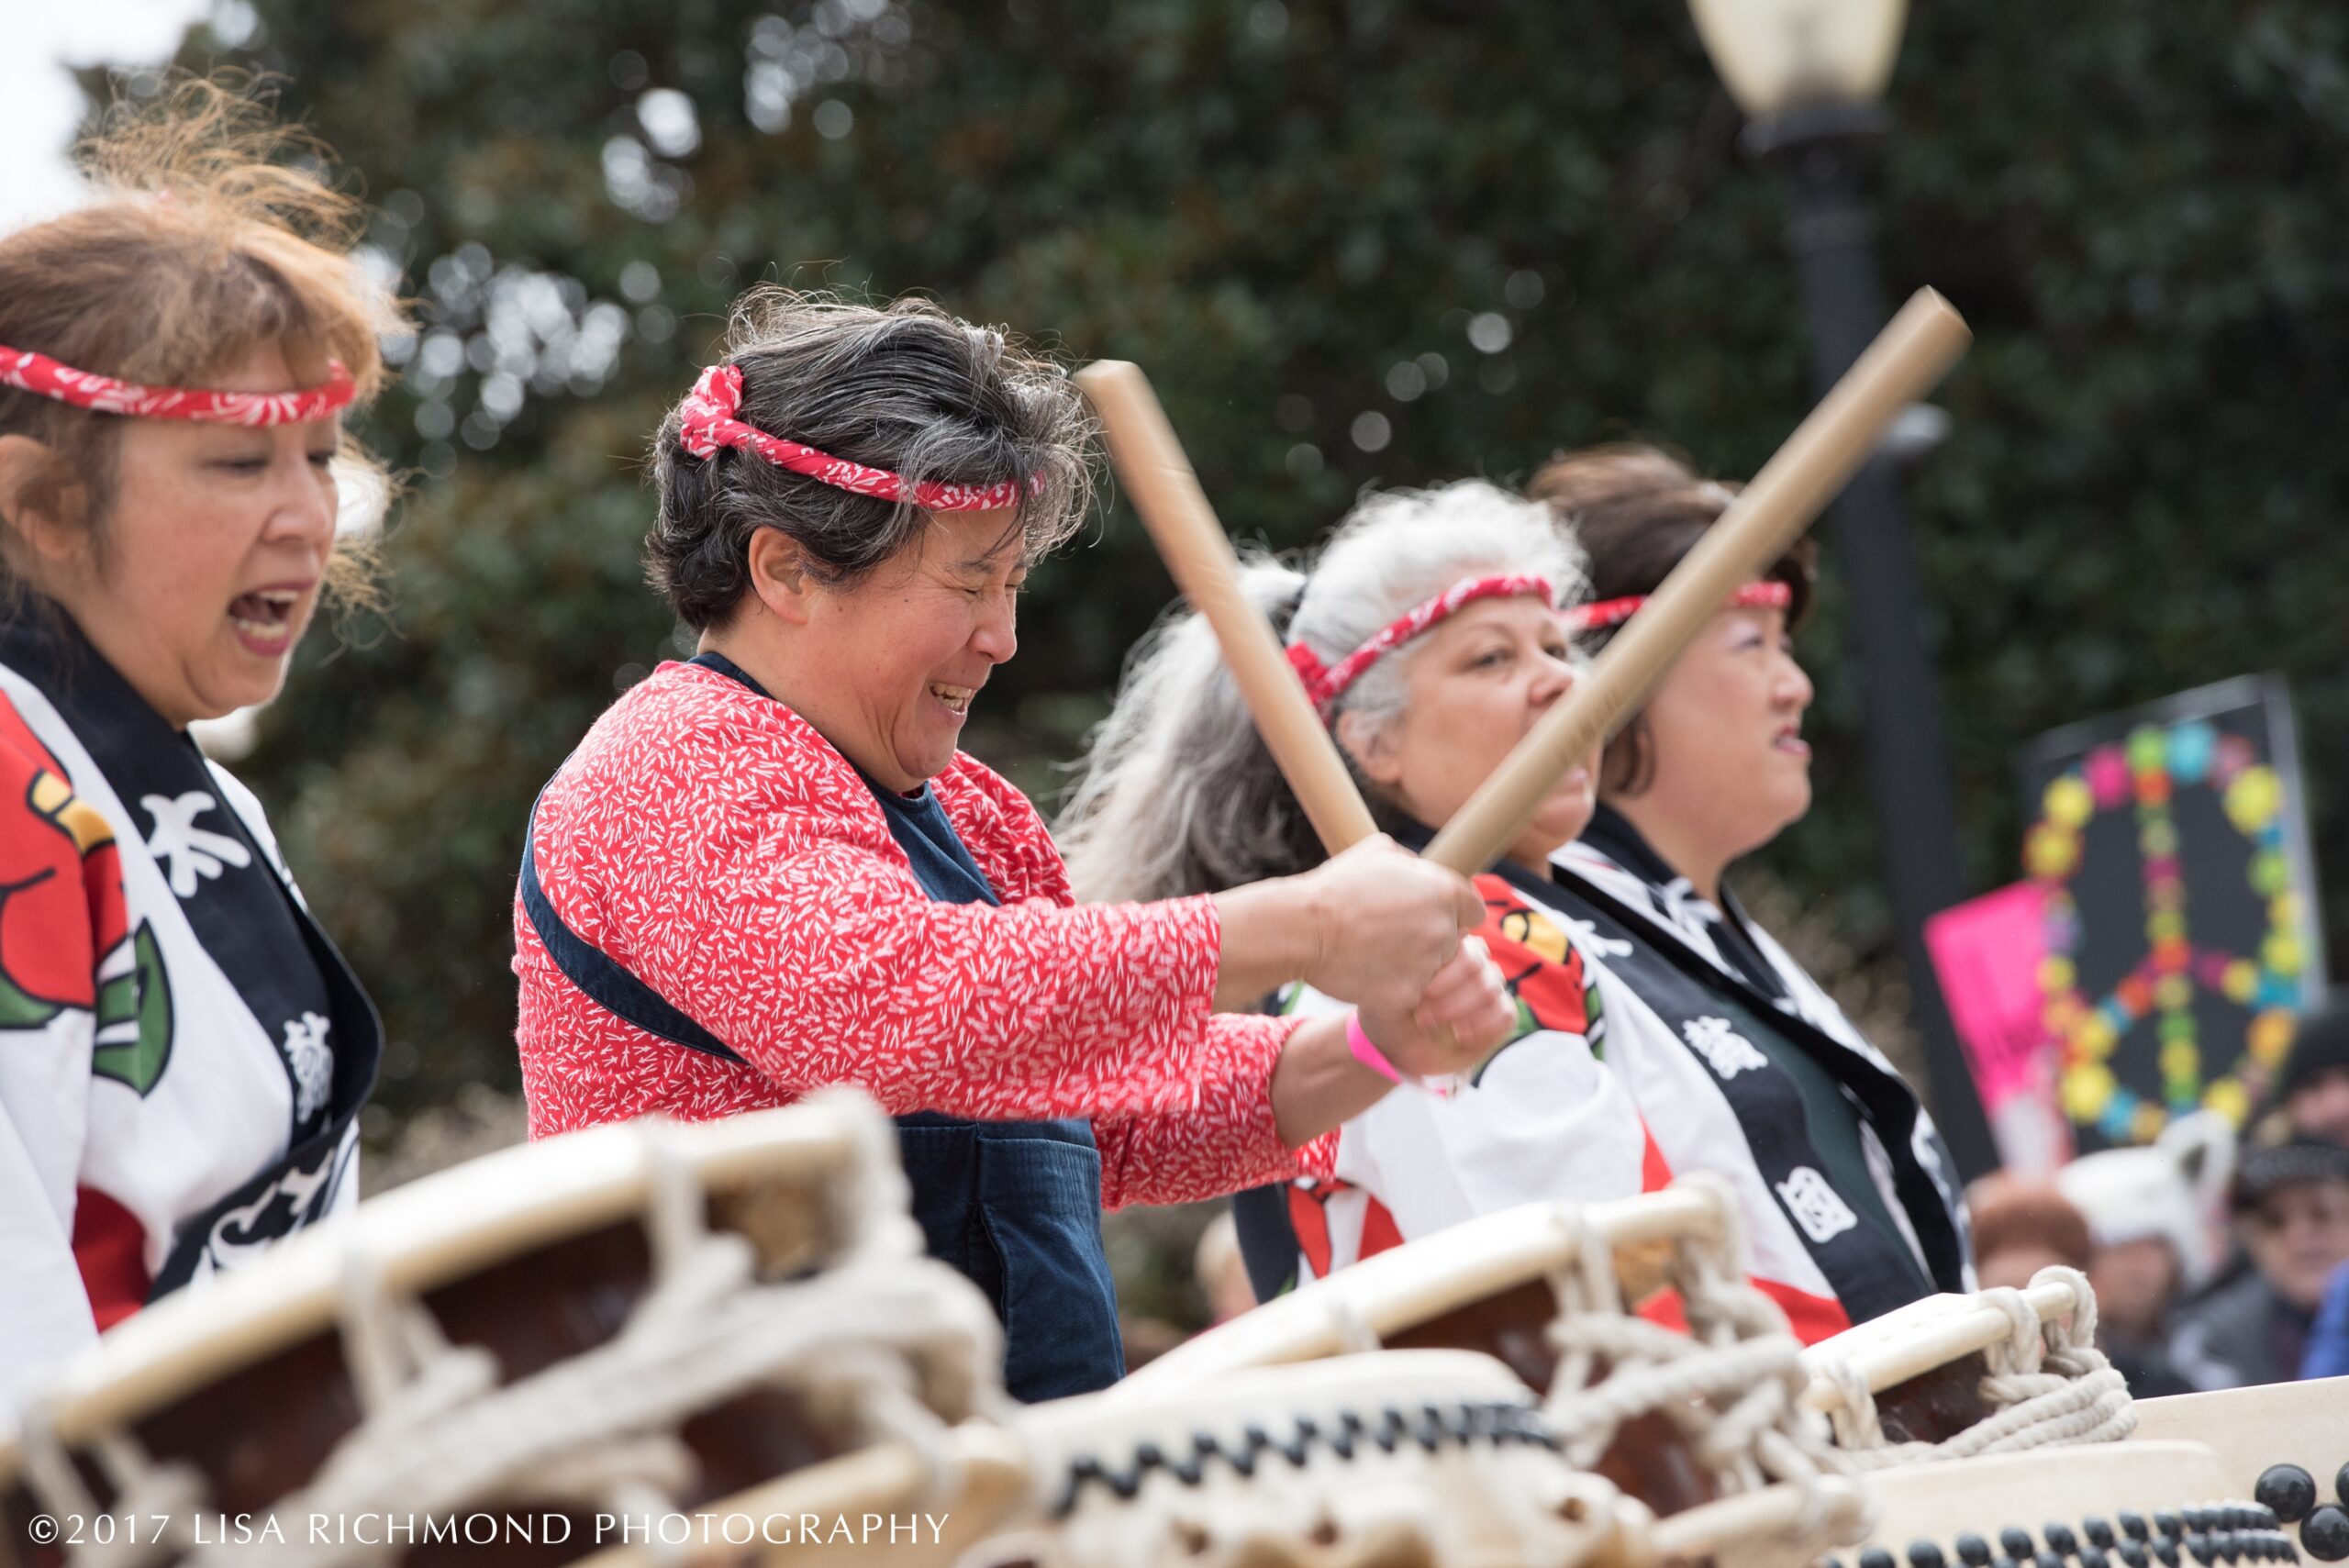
1014 1206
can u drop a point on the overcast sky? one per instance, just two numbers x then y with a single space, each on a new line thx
39 105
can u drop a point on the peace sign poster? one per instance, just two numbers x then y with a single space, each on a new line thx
2170 852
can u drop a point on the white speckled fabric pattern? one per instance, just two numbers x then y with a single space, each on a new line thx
712 843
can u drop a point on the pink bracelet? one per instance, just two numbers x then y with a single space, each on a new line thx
1366 1052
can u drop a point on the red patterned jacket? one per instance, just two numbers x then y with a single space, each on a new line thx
717 847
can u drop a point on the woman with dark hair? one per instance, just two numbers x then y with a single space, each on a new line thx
182 1053
1864 1210
770 868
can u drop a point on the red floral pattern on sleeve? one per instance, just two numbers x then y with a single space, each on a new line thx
715 845
1543 971
61 918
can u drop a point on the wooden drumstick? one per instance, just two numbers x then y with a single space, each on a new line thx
1914 350
1174 509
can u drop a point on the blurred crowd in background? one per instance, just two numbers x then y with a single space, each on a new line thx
2218 1262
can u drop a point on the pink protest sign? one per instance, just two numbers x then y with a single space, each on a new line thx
1988 952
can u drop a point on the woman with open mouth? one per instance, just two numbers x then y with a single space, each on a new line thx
771 868
182 1053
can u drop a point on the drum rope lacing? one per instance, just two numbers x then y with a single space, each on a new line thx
1732 1384
143 1491
439 1434
2047 1386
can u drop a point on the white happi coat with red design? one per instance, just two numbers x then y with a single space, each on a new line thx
1598 1096
182 1055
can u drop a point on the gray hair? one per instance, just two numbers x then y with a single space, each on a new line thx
905 387
1178 794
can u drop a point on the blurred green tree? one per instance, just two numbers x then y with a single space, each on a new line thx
1354 241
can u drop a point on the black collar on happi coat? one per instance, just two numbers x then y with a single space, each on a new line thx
1612 834
242 912
1683 985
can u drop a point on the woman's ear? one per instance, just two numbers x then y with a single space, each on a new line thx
1375 755
1624 759
779 575
36 503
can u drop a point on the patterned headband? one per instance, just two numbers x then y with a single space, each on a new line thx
44 377
1615 612
1326 683
711 421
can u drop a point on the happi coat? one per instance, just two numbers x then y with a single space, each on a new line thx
182 1053
1635 1059
707 839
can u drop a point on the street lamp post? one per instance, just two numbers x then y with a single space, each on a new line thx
1809 75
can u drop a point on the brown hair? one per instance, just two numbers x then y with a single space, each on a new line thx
205 240
2009 1210
1636 511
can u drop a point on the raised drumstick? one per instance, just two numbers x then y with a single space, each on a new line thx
1913 353
1183 527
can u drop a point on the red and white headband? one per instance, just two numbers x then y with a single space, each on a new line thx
44 377
711 421
1615 612
1326 683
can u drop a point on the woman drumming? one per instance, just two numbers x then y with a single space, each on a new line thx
182 1053
1426 633
1856 1207
770 868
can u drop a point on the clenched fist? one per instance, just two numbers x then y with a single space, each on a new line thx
1455 1023
1385 929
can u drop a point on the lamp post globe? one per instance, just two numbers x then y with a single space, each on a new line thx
1775 55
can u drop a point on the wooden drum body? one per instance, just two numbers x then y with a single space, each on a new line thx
625 1321
1959 1376
1675 1420
1488 1285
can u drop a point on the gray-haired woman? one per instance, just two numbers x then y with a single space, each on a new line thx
770 868
1430 635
